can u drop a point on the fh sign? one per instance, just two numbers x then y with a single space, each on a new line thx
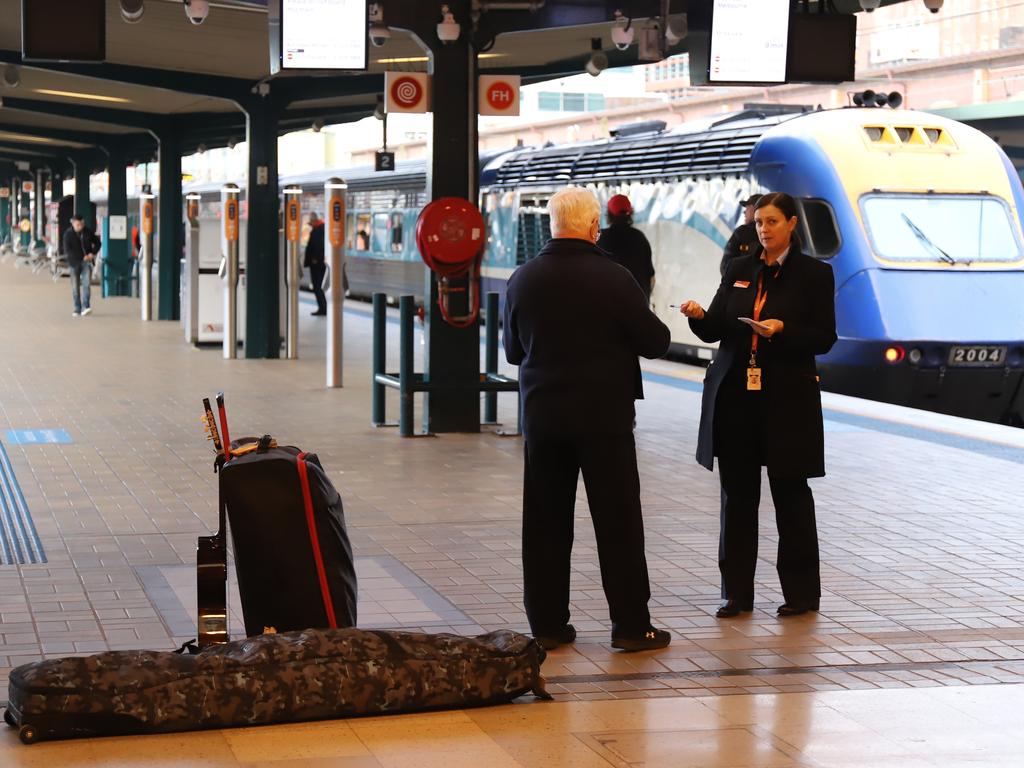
499 94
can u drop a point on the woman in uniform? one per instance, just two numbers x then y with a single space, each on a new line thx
773 312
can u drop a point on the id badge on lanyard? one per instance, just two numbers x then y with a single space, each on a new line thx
753 371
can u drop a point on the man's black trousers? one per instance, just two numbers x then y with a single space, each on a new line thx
553 466
316 275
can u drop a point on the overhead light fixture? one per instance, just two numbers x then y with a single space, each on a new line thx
869 5
933 5
86 96
379 31
317 125
132 10
622 31
6 136
448 30
424 59
598 62
12 76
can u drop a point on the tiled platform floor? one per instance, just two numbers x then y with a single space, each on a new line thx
921 533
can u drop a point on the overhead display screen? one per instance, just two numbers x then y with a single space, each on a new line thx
63 30
749 41
323 34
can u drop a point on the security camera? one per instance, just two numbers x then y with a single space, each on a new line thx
379 34
132 10
197 10
449 29
869 5
933 5
598 62
622 31
317 126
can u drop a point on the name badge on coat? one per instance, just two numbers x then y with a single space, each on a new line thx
741 284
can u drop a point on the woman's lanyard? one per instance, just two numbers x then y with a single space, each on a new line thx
753 371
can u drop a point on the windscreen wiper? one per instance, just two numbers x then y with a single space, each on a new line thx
927 241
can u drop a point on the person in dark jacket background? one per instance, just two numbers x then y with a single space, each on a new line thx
574 323
743 241
314 259
762 405
80 248
626 244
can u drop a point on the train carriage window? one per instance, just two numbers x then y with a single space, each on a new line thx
397 230
820 228
380 233
363 232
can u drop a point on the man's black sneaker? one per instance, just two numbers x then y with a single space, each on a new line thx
550 642
649 640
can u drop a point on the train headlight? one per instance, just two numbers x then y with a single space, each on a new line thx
915 355
894 354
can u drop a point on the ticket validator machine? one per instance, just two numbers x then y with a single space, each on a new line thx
229 268
146 200
190 273
334 255
293 265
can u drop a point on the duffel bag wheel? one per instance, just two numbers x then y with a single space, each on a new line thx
28 734
9 719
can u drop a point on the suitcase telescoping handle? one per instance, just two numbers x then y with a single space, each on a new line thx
314 540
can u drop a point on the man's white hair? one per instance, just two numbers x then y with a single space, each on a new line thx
573 209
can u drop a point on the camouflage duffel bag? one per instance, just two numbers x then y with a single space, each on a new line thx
275 678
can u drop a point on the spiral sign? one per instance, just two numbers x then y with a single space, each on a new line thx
406 92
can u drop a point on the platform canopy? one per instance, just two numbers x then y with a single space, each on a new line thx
164 70
1003 121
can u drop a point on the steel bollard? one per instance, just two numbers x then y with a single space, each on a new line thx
407 315
380 359
491 355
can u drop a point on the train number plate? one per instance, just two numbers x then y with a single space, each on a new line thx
977 356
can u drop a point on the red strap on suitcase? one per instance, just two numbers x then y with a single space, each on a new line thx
325 590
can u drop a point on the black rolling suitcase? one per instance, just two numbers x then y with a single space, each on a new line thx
309 675
292 554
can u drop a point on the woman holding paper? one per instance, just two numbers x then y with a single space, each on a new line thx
772 314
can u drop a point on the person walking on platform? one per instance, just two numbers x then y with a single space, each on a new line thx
762 406
626 244
80 248
743 241
314 259
575 322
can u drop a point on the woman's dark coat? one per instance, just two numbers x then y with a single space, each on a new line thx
802 296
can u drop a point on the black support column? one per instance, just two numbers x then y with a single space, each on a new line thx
453 354
117 274
82 203
262 269
170 232
39 225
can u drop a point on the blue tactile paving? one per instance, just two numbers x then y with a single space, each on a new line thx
19 540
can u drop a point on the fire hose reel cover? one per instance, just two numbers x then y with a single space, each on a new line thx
450 230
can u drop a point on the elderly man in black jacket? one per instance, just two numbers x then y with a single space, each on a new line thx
575 322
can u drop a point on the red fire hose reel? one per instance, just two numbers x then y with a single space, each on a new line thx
450 238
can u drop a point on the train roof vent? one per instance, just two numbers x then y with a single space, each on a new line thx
876 133
904 133
634 129
939 137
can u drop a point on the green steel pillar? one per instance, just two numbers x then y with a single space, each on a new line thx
6 210
453 354
56 186
82 204
262 269
170 229
117 270
39 209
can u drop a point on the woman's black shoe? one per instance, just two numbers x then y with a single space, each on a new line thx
731 608
550 642
796 609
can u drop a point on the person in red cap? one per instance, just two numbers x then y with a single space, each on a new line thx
627 245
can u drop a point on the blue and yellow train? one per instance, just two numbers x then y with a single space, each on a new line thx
919 216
